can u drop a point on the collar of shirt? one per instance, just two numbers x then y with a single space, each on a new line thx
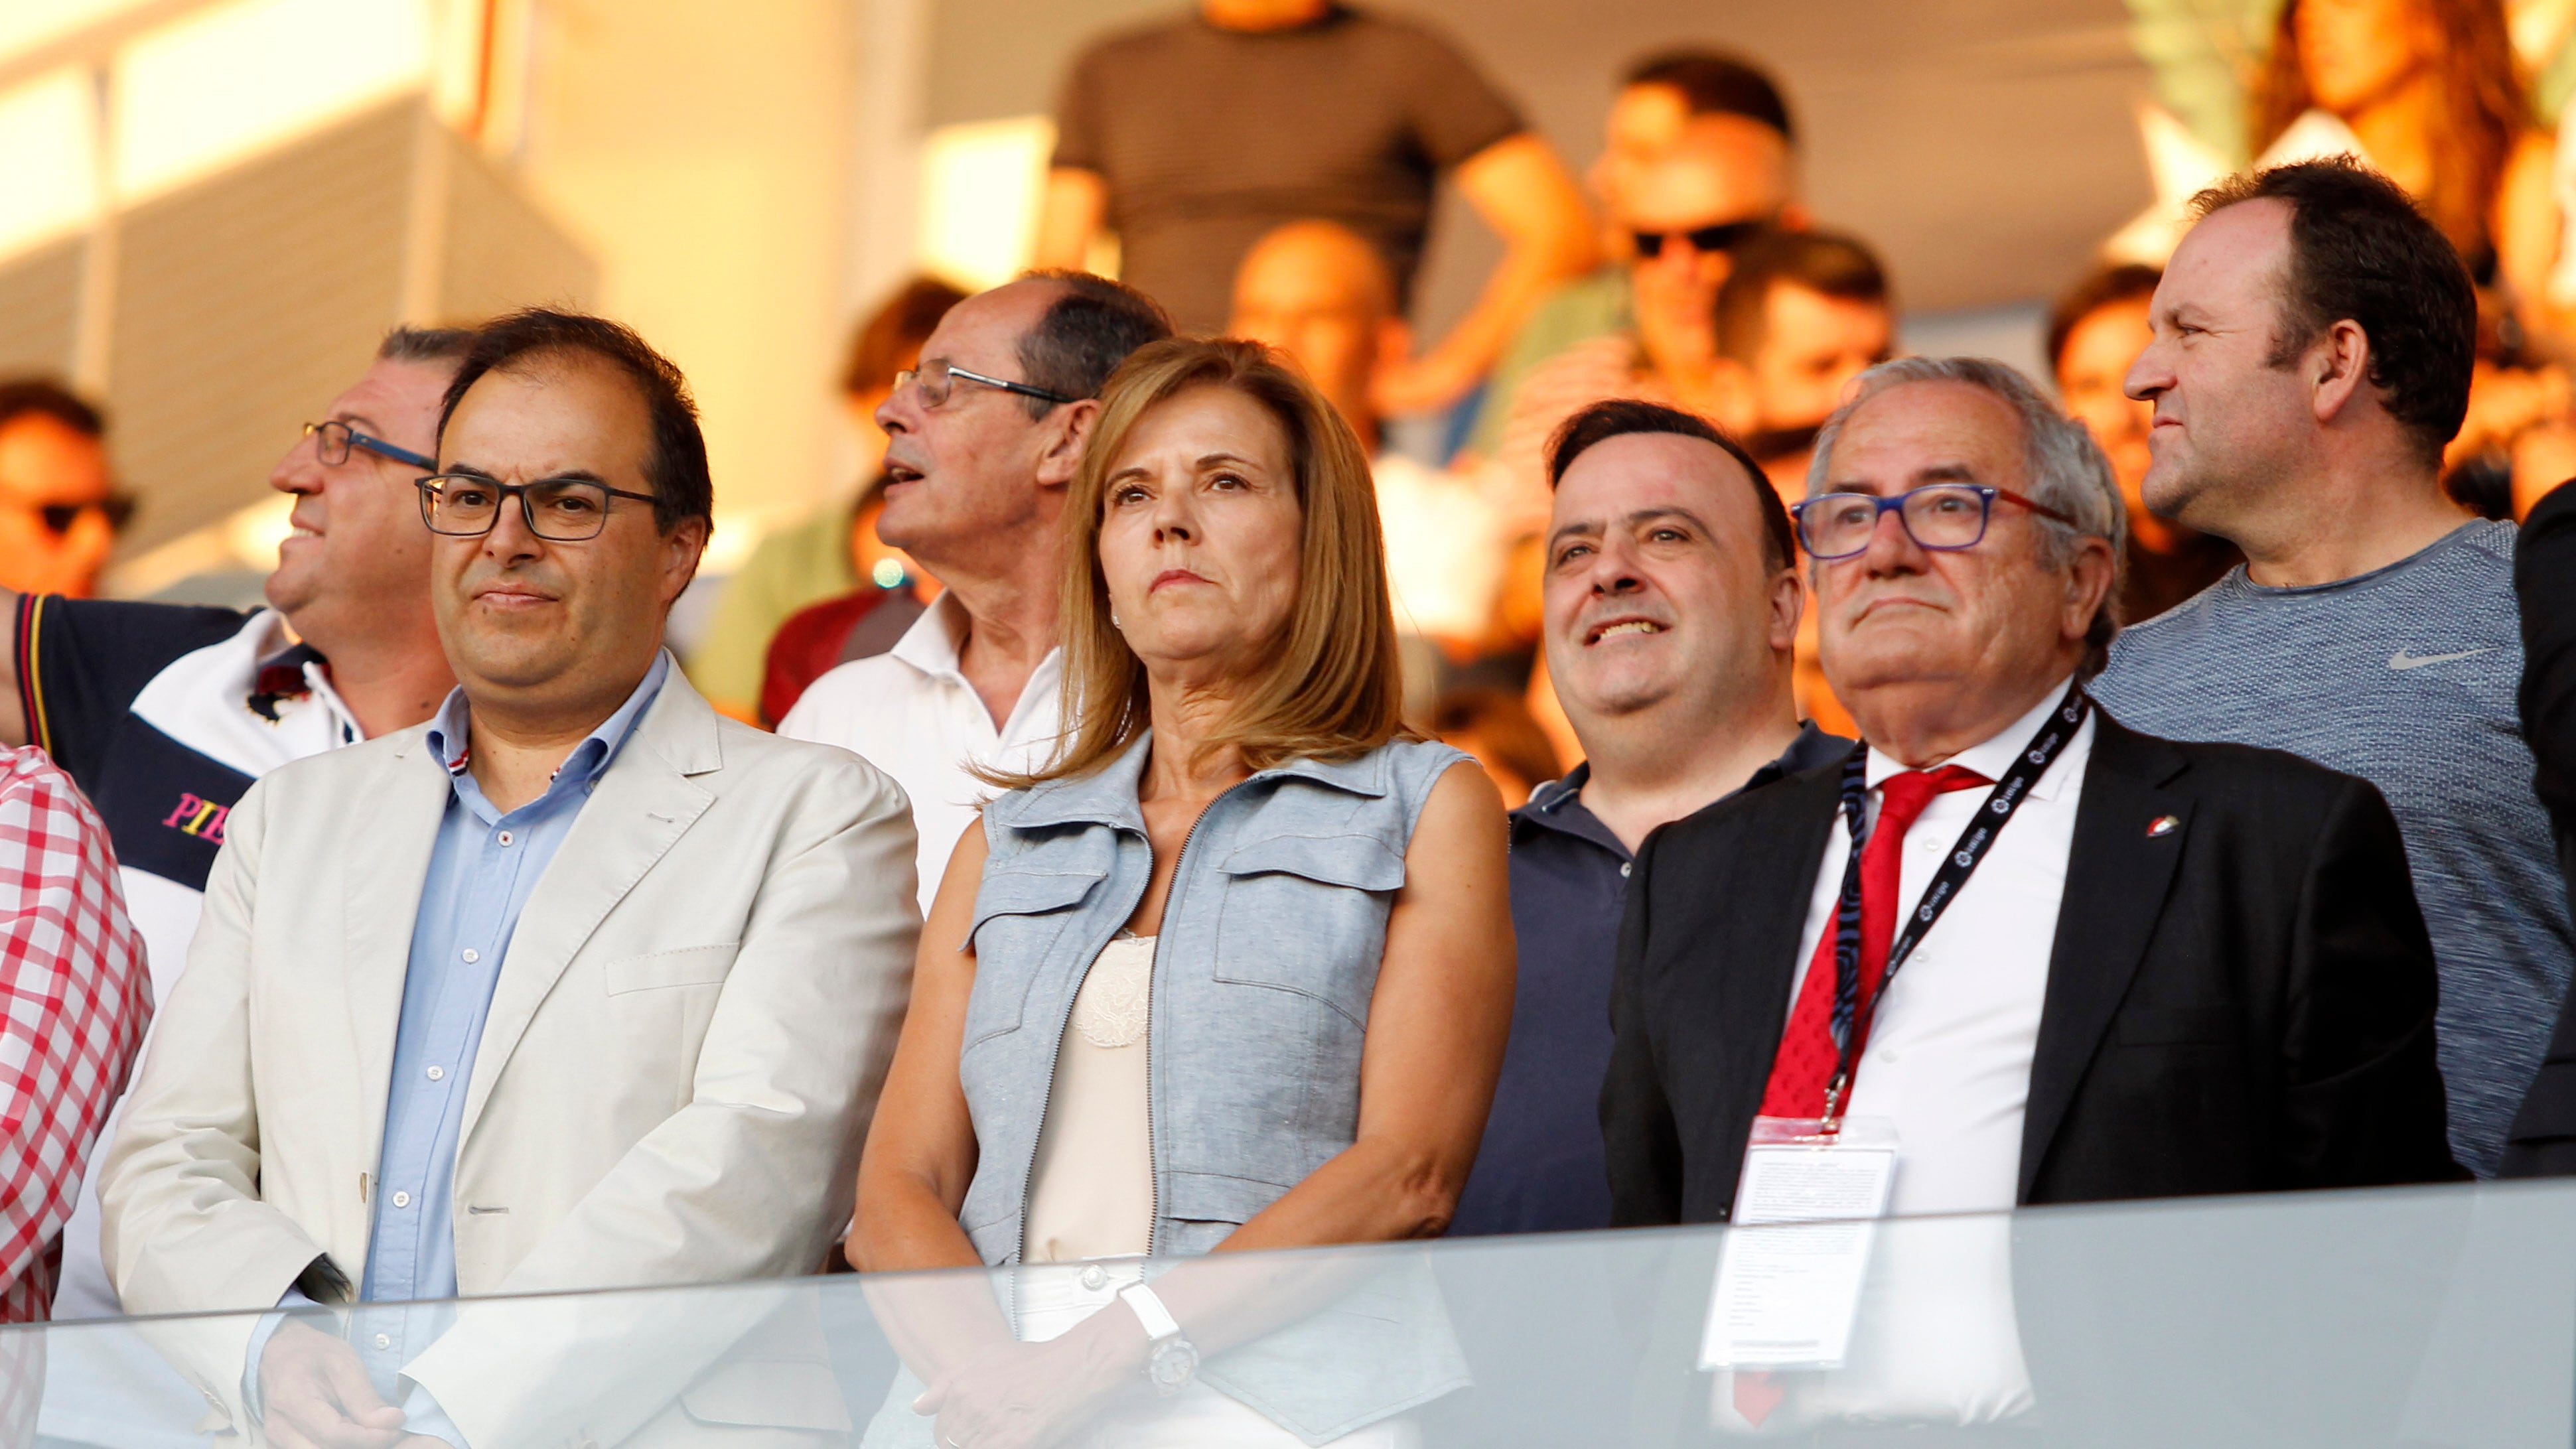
284 662
935 644
1995 755
1558 804
580 770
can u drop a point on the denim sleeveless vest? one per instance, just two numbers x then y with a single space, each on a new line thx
1268 955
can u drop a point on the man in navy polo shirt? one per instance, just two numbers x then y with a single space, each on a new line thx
164 714
1672 608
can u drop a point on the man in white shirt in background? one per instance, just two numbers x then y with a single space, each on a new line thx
1321 293
984 437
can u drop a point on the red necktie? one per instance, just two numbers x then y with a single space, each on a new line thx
1805 1065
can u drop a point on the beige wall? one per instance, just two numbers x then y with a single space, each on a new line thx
701 152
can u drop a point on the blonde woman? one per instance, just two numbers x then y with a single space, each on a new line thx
1233 972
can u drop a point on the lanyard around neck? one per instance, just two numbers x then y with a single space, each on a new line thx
1852 1016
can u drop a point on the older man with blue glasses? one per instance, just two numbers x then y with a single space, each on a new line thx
2126 968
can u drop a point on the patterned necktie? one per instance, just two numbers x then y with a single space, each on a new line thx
1805 1065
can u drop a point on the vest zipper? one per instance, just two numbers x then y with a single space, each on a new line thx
1046 1098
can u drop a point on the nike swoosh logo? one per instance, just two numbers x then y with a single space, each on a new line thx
2403 660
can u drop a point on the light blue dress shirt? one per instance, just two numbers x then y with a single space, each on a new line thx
482 870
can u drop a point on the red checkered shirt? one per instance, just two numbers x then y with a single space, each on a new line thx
75 997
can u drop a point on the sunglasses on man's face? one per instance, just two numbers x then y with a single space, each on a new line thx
58 518
1706 240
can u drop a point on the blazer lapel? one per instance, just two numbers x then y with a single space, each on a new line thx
639 810
1778 853
2117 877
381 902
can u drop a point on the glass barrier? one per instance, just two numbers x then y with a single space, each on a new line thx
2404 1317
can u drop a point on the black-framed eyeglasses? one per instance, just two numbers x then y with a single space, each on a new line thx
558 510
335 439
58 518
1936 516
1726 236
938 380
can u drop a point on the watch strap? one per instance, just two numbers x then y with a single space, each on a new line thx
1149 1311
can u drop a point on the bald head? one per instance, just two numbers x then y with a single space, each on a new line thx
1324 295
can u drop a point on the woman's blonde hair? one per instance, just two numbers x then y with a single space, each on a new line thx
1330 687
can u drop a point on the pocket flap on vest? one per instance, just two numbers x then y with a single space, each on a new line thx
1362 862
1030 892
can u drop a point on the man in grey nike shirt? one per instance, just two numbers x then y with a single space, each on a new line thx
2313 340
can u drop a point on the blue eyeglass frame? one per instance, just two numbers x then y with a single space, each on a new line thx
377 446
1895 503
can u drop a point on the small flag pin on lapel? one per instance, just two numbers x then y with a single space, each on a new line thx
2163 825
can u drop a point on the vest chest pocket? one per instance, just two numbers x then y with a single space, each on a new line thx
1307 914
1018 916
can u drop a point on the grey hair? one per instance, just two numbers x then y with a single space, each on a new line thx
2066 470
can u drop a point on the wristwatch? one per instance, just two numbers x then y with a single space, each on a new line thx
1174 1359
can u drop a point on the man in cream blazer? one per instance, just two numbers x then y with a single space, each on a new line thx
400 1066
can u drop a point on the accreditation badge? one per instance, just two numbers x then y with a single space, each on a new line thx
1790 1272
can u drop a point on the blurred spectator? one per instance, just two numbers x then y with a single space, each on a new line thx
2543 1140
861 624
832 554
1192 137
2313 338
2146 968
1495 727
2428 92
985 437
1671 595
1320 293
1670 228
1801 314
1287 1039
75 996
2094 333
59 510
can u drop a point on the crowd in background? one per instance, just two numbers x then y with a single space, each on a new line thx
1163 672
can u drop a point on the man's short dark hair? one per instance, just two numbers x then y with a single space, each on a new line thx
1085 334
1617 417
44 397
677 464
2102 287
2360 250
1717 83
426 344
1836 266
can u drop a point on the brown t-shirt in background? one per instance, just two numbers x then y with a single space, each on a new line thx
1209 138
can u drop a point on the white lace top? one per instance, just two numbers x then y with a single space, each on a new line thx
1091 1192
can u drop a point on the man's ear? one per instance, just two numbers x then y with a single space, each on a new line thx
2088 583
1069 433
1788 606
2338 369
682 547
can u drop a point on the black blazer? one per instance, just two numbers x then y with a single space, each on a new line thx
2243 1003
2543 1140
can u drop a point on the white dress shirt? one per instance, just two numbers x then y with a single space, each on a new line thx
911 713
1949 1056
